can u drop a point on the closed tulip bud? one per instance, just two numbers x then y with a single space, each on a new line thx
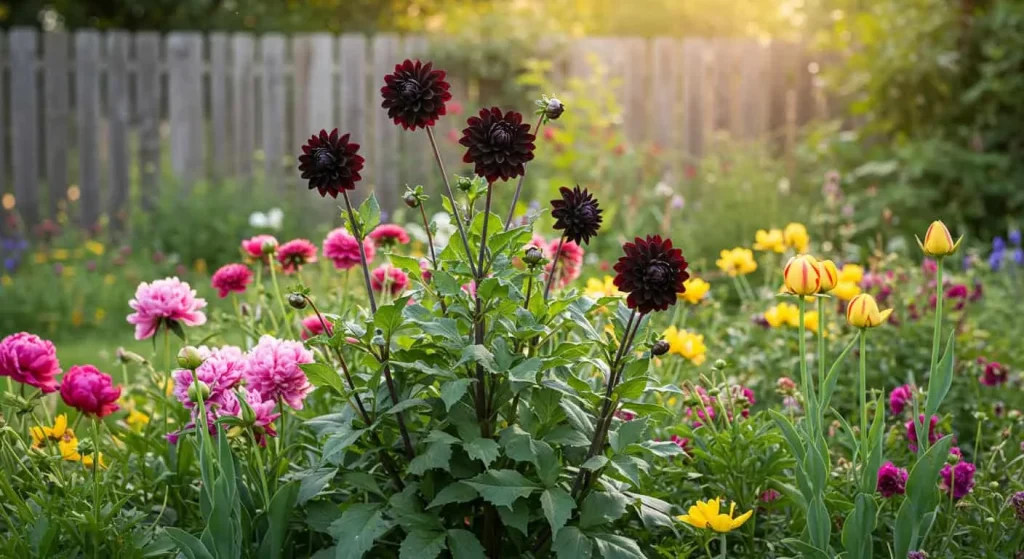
829 275
863 312
801 275
189 358
937 241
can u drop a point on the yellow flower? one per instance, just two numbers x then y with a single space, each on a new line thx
77 318
137 420
829 275
686 344
199 266
69 448
87 461
846 290
39 258
801 275
851 273
42 433
60 254
783 314
109 279
707 514
68 272
94 247
694 290
737 262
769 241
598 288
6 280
863 312
938 242
99 315
811 320
796 237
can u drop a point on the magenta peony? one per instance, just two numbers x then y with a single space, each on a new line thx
164 301
272 369
253 247
89 391
994 374
912 432
343 249
389 234
891 480
221 371
231 278
262 420
312 326
959 477
30 360
295 254
900 397
395 279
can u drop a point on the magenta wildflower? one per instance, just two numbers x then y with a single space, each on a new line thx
891 480
30 360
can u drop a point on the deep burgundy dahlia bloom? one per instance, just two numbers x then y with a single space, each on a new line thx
576 214
652 272
499 145
330 163
415 94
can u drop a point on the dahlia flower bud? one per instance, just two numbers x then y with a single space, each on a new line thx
125 357
938 242
829 275
297 301
863 312
801 275
551 108
411 200
720 364
195 391
659 348
189 358
534 257
269 247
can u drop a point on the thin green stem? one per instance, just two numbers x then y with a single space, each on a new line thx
554 268
522 177
821 345
97 506
261 469
863 392
724 550
922 444
167 376
362 252
280 299
804 380
451 198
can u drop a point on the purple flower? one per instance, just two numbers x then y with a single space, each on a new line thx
1017 502
911 426
891 480
1015 237
998 244
994 374
1018 256
899 398
960 477
221 370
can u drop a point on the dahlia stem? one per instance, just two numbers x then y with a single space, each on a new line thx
451 198
554 267
430 236
280 300
362 251
483 234
483 413
522 177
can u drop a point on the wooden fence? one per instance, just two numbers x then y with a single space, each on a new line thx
110 116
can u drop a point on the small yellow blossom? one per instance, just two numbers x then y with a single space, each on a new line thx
783 314
851 273
796 237
770 241
863 312
109 279
598 288
98 315
137 420
811 320
737 262
39 258
707 514
694 290
77 318
938 242
95 247
846 290
60 254
686 344
87 461
41 433
6 280
68 272
199 266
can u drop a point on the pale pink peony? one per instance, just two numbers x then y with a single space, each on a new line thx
165 300
272 369
263 416
311 326
231 278
221 371
396 279
570 262
343 249
295 254
89 391
389 234
253 247
30 360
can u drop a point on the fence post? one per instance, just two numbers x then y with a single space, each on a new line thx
185 93
383 159
117 115
87 102
147 104
58 117
24 123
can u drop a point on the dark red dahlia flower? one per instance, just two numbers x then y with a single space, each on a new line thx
415 94
576 214
652 272
330 163
499 145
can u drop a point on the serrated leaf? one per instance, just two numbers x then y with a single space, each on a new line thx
627 433
558 506
457 492
313 482
453 390
369 215
322 375
524 374
612 546
422 545
501 488
480 355
339 442
484 450
517 516
571 543
595 463
359 526
408 264
464 545
437 456
577 418
602 508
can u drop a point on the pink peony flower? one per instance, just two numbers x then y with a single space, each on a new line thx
263 416
769 495
681 442
912 432
891 480
425 270
221 371
295 254
272 369
570 262
30 360
231 278
396 279
89 391
625 415
899 398
389 234
994 374
311 326
166 300
343 249
253 248
469 288
959 477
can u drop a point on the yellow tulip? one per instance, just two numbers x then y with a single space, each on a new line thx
863 312
769 241
694 290
796 237
938 242
829 275
706 514
802 276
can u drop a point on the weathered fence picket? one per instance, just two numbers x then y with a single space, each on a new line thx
215 105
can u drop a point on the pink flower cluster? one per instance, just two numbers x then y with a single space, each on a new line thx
343 249
900 397
90 391
295 254
891 480
912 436
166 300
312 326
31 360
221 371
993 373
252 248
231 278
957 478
389 234
272 369
570 260
395 279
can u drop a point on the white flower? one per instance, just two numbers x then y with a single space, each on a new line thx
270 220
